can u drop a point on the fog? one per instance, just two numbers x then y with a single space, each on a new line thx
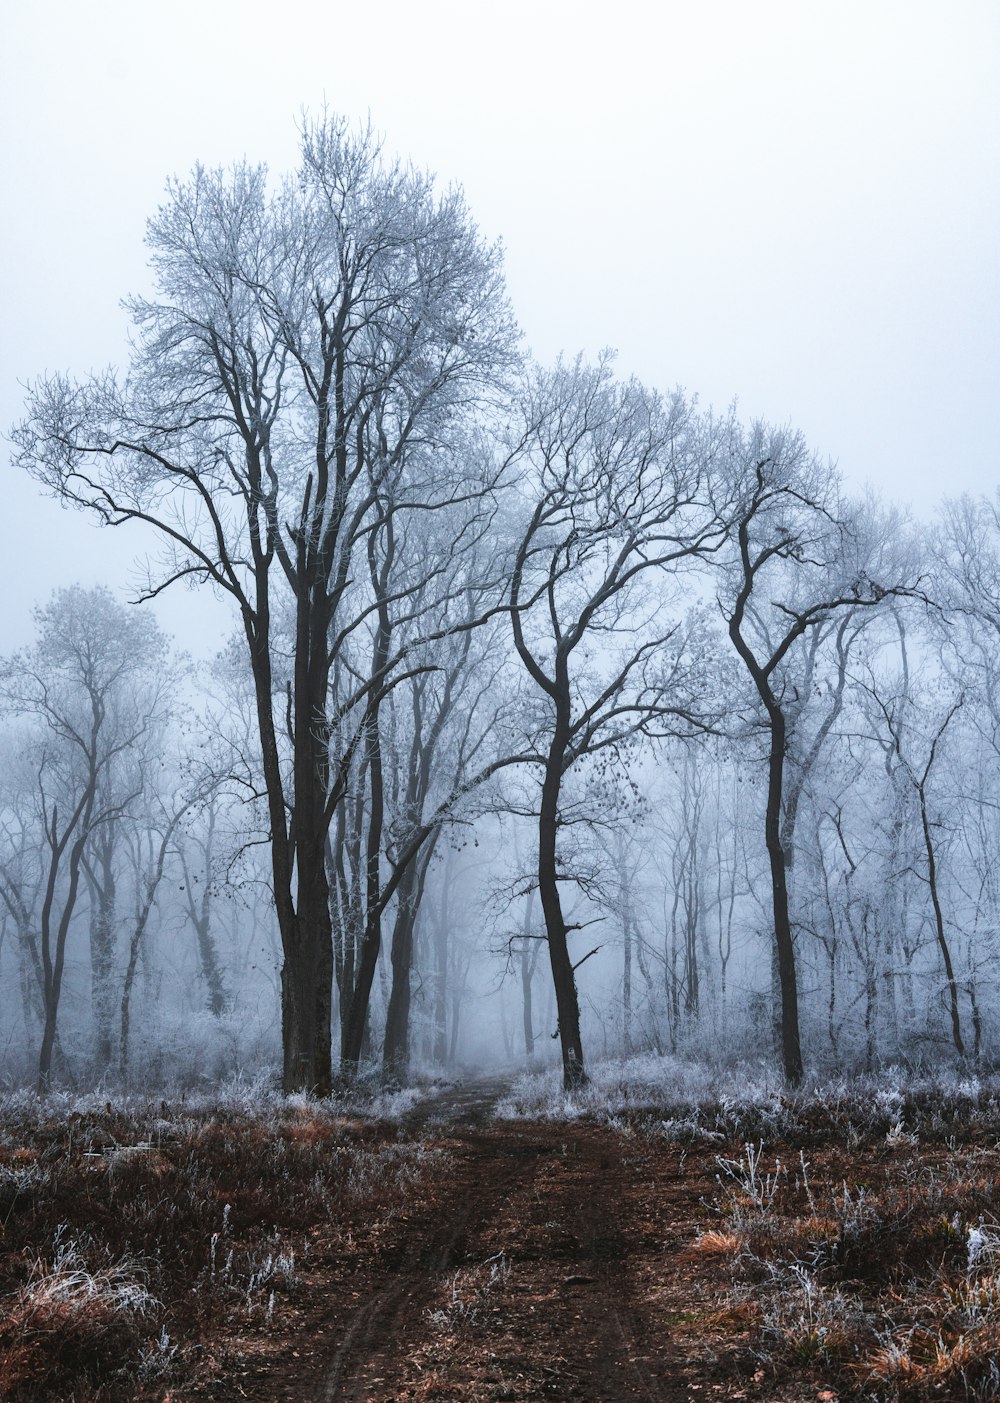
593 715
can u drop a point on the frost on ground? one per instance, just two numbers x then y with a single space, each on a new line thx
858 1218
843 1239
130 1230
256 1095
696 1100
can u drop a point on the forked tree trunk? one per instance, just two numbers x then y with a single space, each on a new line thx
307 993
298 848
54 956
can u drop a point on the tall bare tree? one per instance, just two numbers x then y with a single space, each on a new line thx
312 350
616 497
801 558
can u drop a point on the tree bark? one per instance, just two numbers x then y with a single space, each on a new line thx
563 975
396 1044
939 927
103 930
791 1049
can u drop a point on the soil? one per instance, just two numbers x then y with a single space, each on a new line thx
547 1261
304 1252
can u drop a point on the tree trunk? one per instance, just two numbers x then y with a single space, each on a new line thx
441 990
791 1049
103 930
626 918
527 1012
396 1048
306 1062
939 929
54 960
563 976
211 970
396 1044
200 913
355 1024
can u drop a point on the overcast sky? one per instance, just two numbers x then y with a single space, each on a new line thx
793 204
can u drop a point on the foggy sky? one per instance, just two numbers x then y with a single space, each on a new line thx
795 204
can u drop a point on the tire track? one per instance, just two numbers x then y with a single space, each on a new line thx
376 1321
393 1320
551 1198
565 1205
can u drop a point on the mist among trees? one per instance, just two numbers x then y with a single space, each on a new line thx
560 713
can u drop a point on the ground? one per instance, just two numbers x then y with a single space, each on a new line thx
546 1263
449 1255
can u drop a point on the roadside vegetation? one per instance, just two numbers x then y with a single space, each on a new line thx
857 1221
142 1245
841 1242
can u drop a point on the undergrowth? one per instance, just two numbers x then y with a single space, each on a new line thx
130 1233
859 1217
876 1264
683 1100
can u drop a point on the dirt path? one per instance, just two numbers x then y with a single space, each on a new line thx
547 1261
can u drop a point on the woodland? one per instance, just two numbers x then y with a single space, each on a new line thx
560 715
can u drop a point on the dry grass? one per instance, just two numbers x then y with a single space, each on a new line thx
715 1244
69 1326
470 1295
876 1265
850 1253
131 1237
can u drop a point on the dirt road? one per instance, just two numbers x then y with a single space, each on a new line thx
308 1252
546 1261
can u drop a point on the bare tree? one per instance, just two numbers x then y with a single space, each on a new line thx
199 895
93 684
454 718
21 877
159 836
918 756
311 350
616 496
800 559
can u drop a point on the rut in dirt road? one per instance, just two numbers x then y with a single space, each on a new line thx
533 1261
562 1279
370 1338
514 1278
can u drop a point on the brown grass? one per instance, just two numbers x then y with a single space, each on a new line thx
714 1243
861 1267
183 1227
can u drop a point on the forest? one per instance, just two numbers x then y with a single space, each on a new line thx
558 712
547 951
